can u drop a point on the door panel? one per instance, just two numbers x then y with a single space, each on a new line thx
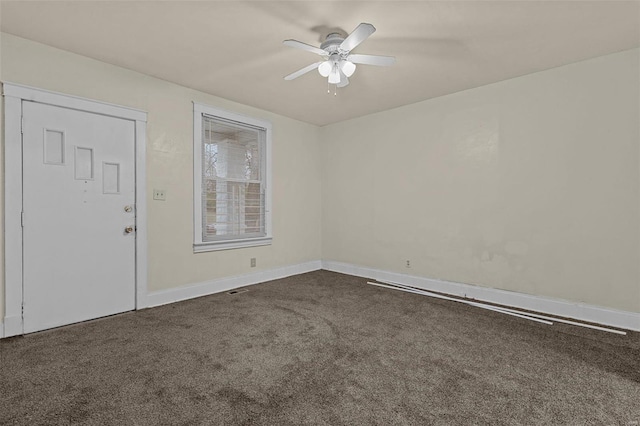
79 178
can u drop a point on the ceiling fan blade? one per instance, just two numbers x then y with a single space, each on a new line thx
382 61
304 46
344 80
357 36
302 71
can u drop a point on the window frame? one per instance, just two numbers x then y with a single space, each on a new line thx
199 244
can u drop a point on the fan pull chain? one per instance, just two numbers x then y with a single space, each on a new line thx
335 89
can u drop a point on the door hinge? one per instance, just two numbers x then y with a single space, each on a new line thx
22 219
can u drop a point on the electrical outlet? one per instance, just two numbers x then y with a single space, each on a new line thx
408 265
160 194
253 262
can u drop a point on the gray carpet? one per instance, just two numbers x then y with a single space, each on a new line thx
323 349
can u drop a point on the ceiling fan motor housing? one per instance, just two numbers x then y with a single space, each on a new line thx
332 43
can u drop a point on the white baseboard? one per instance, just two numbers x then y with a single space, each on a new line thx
563 308
164 297
12 326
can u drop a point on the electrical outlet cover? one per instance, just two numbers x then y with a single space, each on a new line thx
159 194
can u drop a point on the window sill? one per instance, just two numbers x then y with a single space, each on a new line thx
231 244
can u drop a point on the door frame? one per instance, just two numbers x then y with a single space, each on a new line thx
14 95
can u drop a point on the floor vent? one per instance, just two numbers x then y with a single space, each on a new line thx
238 290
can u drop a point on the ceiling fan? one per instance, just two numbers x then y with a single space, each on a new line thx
339 63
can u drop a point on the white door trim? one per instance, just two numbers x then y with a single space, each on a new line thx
14 94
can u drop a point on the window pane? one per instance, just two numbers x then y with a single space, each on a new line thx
233 209
233 188
231 151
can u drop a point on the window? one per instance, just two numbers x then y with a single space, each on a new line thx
231 180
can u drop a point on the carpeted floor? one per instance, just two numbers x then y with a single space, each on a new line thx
323 349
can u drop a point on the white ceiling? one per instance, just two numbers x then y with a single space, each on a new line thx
234 49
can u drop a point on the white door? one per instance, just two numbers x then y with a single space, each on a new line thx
79 216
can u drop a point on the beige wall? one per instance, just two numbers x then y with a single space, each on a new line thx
296 168
530 185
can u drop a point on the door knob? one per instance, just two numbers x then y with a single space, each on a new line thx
128 229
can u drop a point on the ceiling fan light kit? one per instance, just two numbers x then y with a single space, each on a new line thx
325 68
339 63
348 68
